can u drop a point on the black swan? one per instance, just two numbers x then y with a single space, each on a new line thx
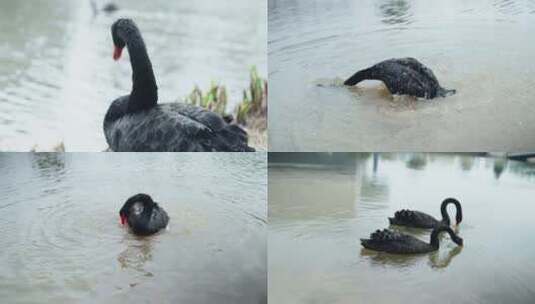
419 219
143 215
137 123
399 243
403 76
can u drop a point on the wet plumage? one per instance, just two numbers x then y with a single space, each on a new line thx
143 215
399 243
417 219
137 123
403 76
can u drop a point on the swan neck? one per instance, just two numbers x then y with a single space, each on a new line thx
444 211
434 237
436 233
144 89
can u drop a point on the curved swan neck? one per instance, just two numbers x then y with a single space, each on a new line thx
444 211
361 75
437 231
144 93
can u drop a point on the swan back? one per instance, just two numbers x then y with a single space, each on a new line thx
394 242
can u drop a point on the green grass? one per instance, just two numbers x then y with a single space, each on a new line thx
254 103
215 99
252 107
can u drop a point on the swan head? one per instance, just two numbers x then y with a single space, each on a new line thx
457 240
135 205
118 29
459 217
444 212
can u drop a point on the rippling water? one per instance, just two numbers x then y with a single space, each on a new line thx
57 77
62 241
478 47
320 206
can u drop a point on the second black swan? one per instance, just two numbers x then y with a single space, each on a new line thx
143 215
136 122
400 243
403 76
417 219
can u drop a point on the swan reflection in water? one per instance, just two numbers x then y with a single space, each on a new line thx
49 164
437 259
136 254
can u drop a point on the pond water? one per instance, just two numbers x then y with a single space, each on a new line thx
477 47
320 206
62 241
57 76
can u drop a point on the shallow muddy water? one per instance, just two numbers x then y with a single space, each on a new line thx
57 76
62 241
480 48
320 206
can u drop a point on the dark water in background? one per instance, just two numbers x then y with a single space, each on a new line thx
57 76
478 47
320 205
62 241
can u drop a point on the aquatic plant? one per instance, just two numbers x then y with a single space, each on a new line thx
215 99
59 148
251 112
254 103
252 107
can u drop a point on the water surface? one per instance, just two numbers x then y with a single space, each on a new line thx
62 241
477 47
319 207
57 76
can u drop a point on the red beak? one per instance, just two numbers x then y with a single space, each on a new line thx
117 53
123 219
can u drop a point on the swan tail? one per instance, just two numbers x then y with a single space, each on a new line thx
358 77
232 138
369 244
442 92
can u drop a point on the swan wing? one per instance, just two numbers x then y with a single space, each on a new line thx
174 127
393 242
197 115
413 218
158 219
418 66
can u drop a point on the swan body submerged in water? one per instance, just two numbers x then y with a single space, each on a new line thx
403 76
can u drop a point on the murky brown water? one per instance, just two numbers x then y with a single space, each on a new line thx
57 77
321 205
477 47
62 241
